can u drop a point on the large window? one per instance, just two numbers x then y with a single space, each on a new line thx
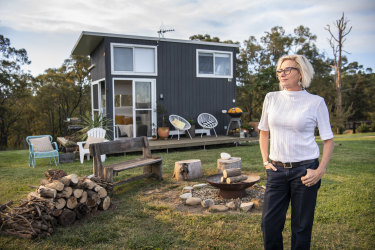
212 63
128 59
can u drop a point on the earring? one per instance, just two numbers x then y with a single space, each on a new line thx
299 83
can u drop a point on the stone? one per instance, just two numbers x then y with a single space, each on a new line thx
193 201
225 156
264 187
185 196
218 208
231 205
256 203
198 186
246 206
187 189
207 203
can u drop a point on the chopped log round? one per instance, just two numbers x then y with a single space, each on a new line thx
101 191
223 179
231 172
67 217
32 195
236 179
106 202
77 192
83 198
91 202
44 182
47 192
67 192
58 185
89 184
71 179
71 202
234 162
57 212
60 203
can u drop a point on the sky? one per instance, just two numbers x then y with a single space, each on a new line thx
49 29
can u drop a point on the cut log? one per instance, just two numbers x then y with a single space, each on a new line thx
188 170
106 202
32 195
90 202
77 192
68 180
236 179
94 196
67 192
60 203
101 191
67 217
57 212
53 174
234 162
89 184
223 179
47 192
231 172
83 198
58 185
71 202
44 182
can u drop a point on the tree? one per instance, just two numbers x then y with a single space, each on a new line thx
14 88
337 43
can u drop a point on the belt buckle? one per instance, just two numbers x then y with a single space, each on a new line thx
287 165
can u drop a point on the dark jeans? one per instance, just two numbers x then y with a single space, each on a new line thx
284 186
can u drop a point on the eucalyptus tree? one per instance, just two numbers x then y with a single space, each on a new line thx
14 88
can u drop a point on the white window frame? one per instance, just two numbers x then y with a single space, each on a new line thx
213 52
133 46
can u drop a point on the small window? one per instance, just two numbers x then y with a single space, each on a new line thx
128 59
214 64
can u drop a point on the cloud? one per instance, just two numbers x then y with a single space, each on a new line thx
235 20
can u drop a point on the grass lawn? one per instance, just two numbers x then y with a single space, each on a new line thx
345 213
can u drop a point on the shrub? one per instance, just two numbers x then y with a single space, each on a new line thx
363 128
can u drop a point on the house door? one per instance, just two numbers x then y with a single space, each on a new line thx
144 107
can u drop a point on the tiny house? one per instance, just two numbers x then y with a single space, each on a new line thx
134 76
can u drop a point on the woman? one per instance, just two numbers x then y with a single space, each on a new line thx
293 169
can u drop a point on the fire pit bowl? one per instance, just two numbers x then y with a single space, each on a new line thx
234 190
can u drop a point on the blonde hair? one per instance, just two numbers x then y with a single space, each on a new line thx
305 68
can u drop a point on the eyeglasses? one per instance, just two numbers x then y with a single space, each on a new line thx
286 70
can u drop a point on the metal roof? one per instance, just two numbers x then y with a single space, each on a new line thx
88 41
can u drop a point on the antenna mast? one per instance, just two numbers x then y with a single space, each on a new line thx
162 31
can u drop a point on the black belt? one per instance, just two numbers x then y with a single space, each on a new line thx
292 164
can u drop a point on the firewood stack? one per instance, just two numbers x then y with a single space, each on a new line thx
59 200
233 175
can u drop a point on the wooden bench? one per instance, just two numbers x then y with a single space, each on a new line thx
152 166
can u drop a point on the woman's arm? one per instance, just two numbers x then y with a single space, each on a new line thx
263 144
313 176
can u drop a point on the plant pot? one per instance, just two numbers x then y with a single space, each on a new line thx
154 138
191 131
163 132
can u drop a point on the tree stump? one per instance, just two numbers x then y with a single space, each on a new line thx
188 170
233 162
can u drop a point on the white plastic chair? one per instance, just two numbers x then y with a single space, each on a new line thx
94 132
207 121
180 124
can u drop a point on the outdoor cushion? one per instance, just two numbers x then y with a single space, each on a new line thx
42 144
91 140
128 120
126 130
178 124
120 119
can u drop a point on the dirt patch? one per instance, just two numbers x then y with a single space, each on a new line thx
170 196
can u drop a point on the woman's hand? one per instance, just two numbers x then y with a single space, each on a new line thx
270 166
312 177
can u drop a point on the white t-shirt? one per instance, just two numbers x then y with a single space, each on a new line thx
291 118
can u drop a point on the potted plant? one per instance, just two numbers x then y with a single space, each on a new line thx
163 129
95 121
192 128
154 137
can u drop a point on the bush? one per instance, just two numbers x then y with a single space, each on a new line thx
373 126
363 128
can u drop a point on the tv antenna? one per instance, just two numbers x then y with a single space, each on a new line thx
162 31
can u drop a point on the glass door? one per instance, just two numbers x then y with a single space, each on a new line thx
144 103
98 100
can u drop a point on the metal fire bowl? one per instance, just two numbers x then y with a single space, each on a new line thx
235 190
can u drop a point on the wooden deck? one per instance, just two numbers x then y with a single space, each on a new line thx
198 141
